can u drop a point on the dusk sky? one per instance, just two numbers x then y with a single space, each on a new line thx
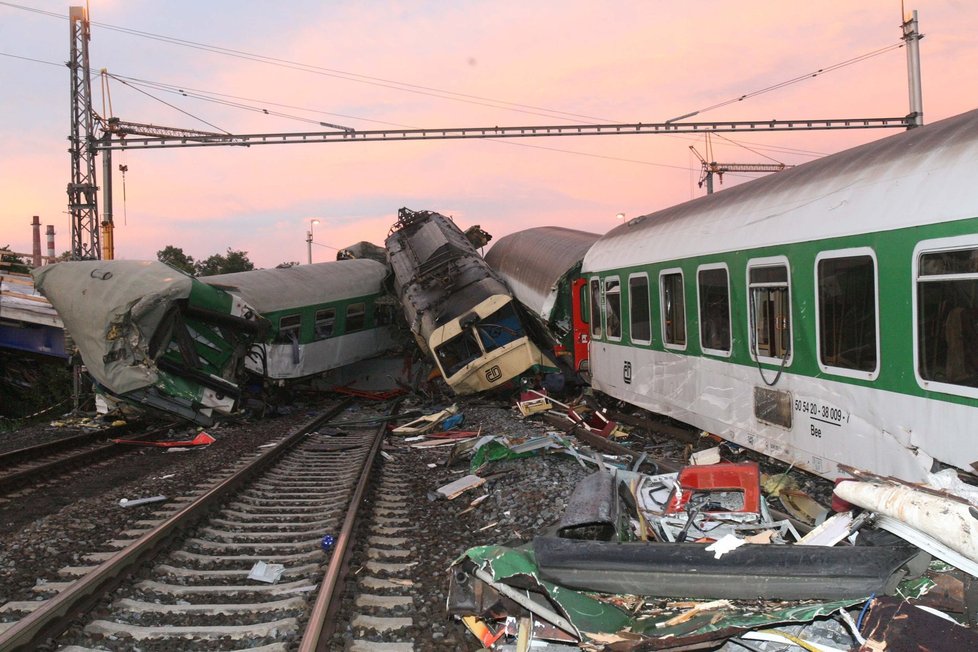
380 65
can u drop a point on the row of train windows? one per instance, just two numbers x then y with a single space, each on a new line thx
847 309
324 320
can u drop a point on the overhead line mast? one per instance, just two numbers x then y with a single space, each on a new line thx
82 189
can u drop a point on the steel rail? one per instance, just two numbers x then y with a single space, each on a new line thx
56 614
10 458
321 625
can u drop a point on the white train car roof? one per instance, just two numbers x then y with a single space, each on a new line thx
534 261
924 175
270 290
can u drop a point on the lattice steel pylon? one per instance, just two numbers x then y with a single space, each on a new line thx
82 189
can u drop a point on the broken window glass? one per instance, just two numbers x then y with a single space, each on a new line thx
500 328
325 319
355 317
289 329
640 320
595 292
458 352
770 311
714 309
612 300
847 312
947 316
673 308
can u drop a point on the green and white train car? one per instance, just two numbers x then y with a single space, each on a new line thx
156 337
323 316
825 315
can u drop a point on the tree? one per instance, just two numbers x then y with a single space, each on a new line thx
174 257
11 262
234 261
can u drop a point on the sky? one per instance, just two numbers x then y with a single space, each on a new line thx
284 67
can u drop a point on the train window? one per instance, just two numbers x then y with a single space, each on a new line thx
673 309
639 317
323 326
458 352
595 292
846 312
947 317
289 329
612 302
500 328
713 285
355 317
770 312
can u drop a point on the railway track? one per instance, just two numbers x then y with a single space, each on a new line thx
43 462
181 580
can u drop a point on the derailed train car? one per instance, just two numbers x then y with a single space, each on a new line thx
459 311
542 267
826 315
156 337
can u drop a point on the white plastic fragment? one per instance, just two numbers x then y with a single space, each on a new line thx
265 572
725 544
126 502
705 457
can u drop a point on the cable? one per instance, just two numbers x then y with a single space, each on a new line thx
795 80
48 63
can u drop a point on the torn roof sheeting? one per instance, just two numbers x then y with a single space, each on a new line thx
112 308
269 290
535 261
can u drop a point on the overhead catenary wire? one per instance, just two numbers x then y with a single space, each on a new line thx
216 97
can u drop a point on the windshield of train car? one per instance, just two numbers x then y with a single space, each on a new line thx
500 328
947 317
458 352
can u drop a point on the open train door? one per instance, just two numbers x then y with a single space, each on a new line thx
582 336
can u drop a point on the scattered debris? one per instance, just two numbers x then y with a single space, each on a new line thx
425 423
264 572
202 439
126 502
454 489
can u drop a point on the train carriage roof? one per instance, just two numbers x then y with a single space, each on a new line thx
534 262
270 290
924 175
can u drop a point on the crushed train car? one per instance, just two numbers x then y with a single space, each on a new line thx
156 337
459 311
542 267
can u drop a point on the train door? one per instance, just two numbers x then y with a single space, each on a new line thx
582 337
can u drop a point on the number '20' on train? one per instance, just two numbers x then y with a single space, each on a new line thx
826 315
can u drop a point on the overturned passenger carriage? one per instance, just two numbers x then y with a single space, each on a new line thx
459 311
156 337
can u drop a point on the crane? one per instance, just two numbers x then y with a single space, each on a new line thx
719 169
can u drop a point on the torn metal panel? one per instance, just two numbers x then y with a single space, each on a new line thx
952 522
781 572
592 510
621 621
895 625
153 335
